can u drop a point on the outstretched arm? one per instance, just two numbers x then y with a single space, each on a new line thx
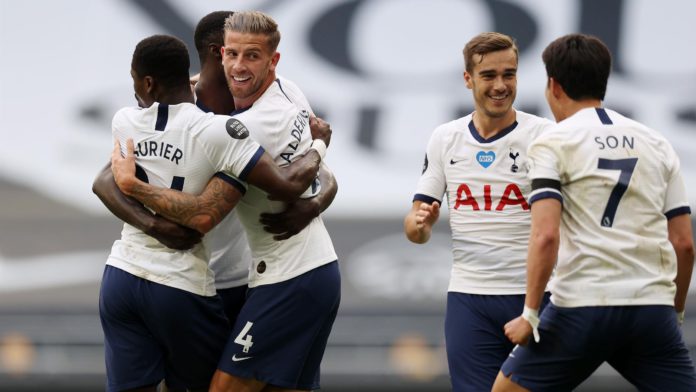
300 213
418 224
132 212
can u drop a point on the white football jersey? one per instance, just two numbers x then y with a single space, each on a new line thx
279 121
619 182
230 256
181 147
487 187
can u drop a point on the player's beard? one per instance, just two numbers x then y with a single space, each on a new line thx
248 88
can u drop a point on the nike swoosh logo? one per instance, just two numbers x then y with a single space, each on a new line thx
452 161
237 359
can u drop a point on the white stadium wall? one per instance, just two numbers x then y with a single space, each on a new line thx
383 72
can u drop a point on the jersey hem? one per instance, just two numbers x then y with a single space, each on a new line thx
209 291
231 284
291 274
613 302
488 291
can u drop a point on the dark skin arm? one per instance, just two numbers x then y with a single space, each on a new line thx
129 210
300 213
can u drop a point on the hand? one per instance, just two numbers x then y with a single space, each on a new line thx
427 215
296 217
320 129
173 235
123 168
518 331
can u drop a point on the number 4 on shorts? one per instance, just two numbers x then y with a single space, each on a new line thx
244 338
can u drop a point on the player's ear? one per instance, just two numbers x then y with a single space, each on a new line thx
467 80
215 51
274 60
149 83
555 88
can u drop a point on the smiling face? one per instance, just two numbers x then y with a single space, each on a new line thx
249 66
493 81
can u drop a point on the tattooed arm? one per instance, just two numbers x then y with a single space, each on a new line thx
131 211
202 212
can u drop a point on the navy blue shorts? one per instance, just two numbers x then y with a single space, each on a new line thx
232 299
475 338
643 343
154 332
281 333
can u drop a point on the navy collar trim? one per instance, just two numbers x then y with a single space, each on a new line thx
162 116
499 135
603 116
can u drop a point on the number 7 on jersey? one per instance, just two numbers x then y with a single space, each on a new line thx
626 166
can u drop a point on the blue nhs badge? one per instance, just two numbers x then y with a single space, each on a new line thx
486 158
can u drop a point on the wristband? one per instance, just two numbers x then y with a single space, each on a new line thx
320 146
680 317
532 316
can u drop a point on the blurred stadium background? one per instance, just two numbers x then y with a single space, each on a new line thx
383 72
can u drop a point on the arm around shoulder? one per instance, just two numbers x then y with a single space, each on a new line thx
286 183
135 214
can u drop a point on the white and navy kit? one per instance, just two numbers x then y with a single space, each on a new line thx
486 184
613 292
279 121
147 339
487 188
619 182
180 147
294 284
230 258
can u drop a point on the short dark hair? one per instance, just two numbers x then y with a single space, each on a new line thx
163 57
485 43
210 30
580 64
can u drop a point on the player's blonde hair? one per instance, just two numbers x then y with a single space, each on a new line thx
254 22
485 43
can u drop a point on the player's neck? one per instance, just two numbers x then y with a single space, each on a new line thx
488 127
245 103
571 107
213 93
176 97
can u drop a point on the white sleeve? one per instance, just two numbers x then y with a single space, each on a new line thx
432 183
676 202
544 170
542 160
229 147
118 130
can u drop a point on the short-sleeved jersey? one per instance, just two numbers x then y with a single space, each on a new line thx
487 187
279 121
619 182
180 147
230 255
